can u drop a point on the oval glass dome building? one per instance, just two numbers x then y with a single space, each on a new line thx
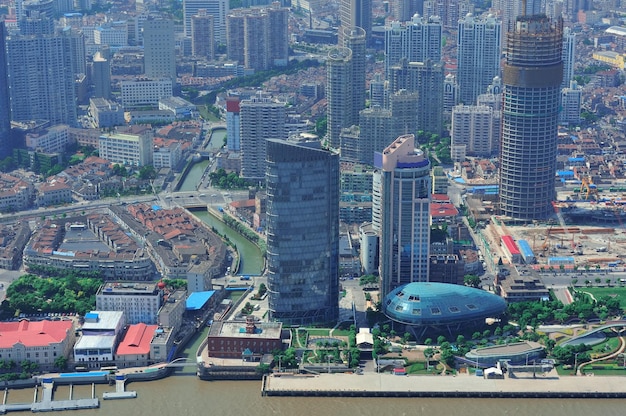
441 306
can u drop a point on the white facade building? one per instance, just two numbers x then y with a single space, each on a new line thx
140 302
51 140
126 149
145 92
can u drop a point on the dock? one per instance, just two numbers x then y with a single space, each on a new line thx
389 385
120 390
48 404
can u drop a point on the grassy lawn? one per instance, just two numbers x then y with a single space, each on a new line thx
604 348
605 370
207 115
614 292
318 332
564 371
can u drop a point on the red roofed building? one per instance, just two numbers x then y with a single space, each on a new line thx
134 349
511 251
39 342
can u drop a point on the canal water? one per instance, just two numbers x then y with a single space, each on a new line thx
190 182
251 258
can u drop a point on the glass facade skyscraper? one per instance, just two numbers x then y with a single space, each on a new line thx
532 76
401 213
302 232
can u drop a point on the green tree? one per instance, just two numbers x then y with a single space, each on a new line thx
471 280
60 363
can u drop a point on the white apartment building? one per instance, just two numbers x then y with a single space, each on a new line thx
140 302
167 154
126 149
473 131
144 92
115 35
51 140
216 8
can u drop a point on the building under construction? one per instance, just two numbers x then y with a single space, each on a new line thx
532 75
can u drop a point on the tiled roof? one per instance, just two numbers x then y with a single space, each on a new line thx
137 339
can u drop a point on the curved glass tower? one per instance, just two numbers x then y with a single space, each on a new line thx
532 77
302 233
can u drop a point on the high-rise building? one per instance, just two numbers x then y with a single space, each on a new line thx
478 55
401 213
258 38
472 132
5 108
338 93
403 10
36 94
356 13
426 79
569 56
416 40
101 76
260 119
510 10
354 39
233 124
159 48
532 76
378 91
278 33
450 95
216 8
302 183
202 35
127 149
571 100
449 11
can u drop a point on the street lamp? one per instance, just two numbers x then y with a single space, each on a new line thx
328 357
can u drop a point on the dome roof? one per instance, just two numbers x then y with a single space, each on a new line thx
429 303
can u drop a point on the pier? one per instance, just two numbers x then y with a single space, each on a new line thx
120 390
463 386
48 404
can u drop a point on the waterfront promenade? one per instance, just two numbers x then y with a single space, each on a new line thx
389 385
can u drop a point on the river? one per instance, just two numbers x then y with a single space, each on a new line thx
190 182
187 395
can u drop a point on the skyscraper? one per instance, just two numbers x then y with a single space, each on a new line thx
354 39
569 56
401 213
260 119
216 8
5 109
478 56
338 93
302 233
202 35
101 76
36 94
356 13
416 40
258 38
426 79
532 76
158 46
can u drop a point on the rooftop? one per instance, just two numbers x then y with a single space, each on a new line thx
137 339
33 334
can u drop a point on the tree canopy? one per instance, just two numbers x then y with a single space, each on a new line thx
66 292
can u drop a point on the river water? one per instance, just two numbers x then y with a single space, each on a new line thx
187 395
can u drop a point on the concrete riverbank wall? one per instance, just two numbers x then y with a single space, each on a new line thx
388 385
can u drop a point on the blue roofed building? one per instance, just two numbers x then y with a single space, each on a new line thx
439 307
200 300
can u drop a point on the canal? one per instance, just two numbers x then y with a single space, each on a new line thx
191 180
251 257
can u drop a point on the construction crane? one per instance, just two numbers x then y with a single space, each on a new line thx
588 189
